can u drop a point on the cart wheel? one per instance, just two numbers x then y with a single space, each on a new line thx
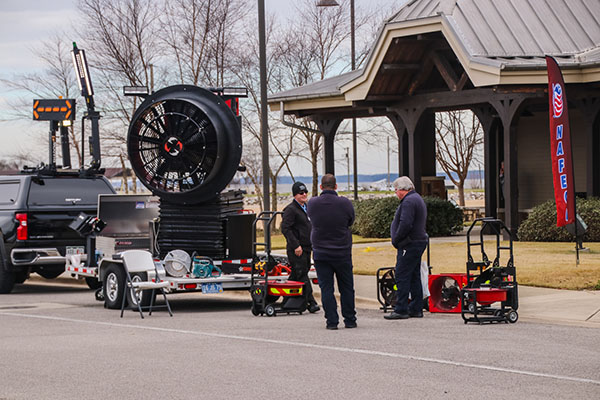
270 310
471 307
498 313
512 316
254 310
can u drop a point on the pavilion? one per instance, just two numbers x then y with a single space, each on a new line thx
482 55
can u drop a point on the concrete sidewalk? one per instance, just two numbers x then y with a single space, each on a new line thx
535 304
580 308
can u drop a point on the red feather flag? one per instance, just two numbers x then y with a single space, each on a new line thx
560 145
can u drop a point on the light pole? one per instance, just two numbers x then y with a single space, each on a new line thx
329 3
264 123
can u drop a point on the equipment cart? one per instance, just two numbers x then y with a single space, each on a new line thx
266 290
387 294
490 284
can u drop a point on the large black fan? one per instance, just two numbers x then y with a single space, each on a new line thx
184 144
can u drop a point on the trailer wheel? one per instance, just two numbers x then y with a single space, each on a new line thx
512 316
113 286
93 283
133 296
270 310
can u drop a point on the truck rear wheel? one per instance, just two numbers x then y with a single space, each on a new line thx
21 275
7 280
50 272
112 286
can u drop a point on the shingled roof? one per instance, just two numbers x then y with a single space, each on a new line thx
497 42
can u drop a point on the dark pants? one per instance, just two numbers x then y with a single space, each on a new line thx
300 267
342 270
408 278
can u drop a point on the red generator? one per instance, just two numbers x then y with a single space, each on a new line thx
444 292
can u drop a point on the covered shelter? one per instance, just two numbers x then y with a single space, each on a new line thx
482 55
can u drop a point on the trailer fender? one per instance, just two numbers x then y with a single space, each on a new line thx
103 267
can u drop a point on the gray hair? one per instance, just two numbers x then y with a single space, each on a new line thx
403 183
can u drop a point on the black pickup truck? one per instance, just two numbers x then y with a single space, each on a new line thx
35 213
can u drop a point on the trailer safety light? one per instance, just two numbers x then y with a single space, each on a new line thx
135 91
22 228
189 286
83 72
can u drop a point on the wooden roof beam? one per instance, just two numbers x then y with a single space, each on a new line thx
399 67
446 71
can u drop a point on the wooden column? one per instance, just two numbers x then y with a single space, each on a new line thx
328 127
426 135
486 116
402 136
410 117
508 108
590 110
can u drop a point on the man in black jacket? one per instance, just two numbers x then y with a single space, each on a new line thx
331 217
296 227
410 239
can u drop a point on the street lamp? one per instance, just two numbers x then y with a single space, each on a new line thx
330 3
264 123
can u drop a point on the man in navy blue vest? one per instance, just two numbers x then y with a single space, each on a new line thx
410 239
296 227
331 217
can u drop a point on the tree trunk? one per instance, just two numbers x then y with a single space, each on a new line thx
274 194
124 174
461 193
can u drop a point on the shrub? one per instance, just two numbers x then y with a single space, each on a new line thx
443 217
540 226
374 217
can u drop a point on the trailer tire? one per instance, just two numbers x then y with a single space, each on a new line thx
93 283
146 295
112 286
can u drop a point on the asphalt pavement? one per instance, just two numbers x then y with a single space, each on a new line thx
57 342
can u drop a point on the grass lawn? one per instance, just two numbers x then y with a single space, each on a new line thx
538 264
278 241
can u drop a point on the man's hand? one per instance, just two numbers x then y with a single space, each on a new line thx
298 251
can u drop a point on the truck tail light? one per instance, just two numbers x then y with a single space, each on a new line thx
22 228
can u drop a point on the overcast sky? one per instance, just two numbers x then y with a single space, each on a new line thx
23 23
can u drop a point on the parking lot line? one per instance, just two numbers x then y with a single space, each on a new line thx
312 346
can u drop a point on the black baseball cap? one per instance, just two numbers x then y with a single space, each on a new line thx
298 187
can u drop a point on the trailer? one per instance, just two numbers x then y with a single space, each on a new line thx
129 222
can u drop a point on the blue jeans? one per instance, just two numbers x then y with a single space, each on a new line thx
408 278
342 269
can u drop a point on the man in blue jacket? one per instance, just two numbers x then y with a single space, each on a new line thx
331 217
410 239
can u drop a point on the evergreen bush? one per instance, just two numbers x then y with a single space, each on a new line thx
374 217
540 226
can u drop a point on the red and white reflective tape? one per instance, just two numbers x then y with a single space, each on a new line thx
81 270
242 261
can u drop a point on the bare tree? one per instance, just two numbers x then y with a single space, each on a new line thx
458 134
121 36
281 141
55 80
199 35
